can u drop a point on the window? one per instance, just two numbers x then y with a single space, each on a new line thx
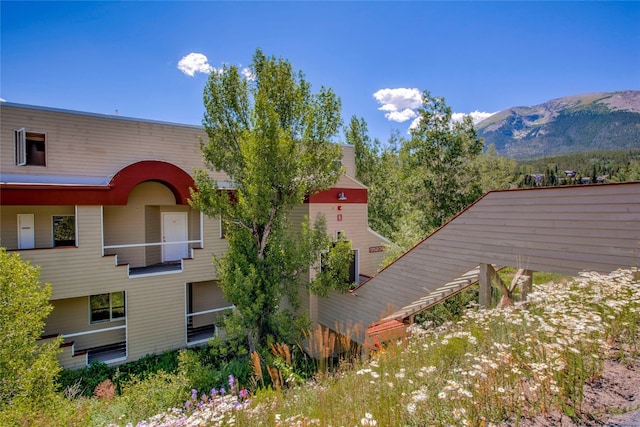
106 307
223 229
30 148
64 230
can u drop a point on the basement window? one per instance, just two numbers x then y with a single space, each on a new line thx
30 148
106 307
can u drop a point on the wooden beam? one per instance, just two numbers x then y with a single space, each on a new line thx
486 272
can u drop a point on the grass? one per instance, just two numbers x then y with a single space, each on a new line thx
491 367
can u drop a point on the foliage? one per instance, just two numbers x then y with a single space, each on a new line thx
612 165
28 368
492 367
417 184
440 169
272 137
141 398
496 172
84 380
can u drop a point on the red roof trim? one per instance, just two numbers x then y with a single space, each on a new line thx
332 195
115 193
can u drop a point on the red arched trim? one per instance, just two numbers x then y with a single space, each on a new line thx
177 180
115 193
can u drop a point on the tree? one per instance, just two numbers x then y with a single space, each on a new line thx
28 369
272 137
496 172
440 169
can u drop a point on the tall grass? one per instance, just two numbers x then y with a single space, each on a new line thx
491 367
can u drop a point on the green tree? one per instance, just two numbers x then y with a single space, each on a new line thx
272 137
496 172
28 369
440 166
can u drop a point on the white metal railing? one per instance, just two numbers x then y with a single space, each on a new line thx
139 245
93 331
203 312
213 310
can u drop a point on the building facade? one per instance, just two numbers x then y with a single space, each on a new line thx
100 203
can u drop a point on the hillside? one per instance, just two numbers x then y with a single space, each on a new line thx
595 121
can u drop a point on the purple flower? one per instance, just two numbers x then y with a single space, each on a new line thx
187 404
243 393
232 381
194 394
222 390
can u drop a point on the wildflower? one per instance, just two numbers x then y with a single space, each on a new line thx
232 381
368 420
411 408
442 395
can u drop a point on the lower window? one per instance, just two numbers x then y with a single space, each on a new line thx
106 307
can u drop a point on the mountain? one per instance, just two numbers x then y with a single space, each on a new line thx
594 121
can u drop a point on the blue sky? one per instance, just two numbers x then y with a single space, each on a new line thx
377 56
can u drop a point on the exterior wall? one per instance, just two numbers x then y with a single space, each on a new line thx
43 217
93 149
559 229
349 160
207 296
140 222
84 144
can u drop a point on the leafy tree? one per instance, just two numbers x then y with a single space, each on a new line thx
440 165
28 369
378 167
496 172
272 137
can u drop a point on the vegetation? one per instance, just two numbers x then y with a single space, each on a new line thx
272 137
610 165
28 369
417 184
491 367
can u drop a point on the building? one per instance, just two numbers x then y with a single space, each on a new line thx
100 202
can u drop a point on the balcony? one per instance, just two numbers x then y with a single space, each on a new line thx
151 259
108 345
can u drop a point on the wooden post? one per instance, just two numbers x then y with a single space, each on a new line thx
486 273
527 285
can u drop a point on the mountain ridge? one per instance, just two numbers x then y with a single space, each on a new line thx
575 123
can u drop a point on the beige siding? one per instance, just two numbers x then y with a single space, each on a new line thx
207 296
79 144
43 217
348 160
98 145
354 226
563 230
72 316
153 234
156 315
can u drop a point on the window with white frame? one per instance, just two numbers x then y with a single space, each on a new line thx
106 307
30 148
64 230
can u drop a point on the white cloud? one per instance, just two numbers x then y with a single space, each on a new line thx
399 103
401 116
246 72
476 116
195 63
3 100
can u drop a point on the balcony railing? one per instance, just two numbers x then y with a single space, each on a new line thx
109 351
158 265
203 325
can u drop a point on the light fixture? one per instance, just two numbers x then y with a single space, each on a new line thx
341 196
